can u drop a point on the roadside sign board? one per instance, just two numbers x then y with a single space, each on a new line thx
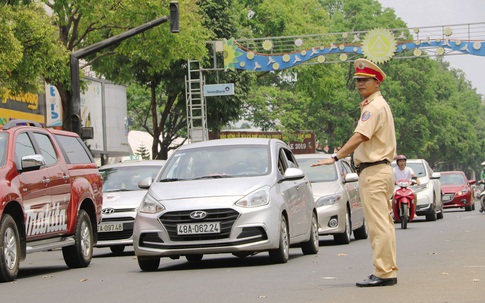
300 142
224 89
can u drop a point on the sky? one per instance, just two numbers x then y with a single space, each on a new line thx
422 13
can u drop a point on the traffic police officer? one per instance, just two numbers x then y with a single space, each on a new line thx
374 147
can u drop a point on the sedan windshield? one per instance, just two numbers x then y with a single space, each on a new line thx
127 178
217 162
418 169
452 179
323 173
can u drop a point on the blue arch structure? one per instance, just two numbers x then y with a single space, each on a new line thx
458 39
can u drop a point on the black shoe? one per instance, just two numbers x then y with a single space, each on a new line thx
376 281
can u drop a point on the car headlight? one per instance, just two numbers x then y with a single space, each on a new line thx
150 205
328 200
462 192
255 199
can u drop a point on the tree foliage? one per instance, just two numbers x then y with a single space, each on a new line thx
29 49
438 114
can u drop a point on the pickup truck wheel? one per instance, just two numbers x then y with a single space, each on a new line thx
10 253
81 253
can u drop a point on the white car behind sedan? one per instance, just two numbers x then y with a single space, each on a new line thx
121 197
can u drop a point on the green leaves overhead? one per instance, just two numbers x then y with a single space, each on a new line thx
438 114
29 48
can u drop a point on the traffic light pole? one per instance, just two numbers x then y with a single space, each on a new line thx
75 104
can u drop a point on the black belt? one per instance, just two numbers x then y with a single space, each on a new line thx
364 165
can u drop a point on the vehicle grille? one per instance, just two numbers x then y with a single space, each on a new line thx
115 235
226 217
128 219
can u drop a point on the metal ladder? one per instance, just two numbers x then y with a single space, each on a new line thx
196 105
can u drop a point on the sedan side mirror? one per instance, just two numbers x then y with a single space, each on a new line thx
293 173
351 177
145 183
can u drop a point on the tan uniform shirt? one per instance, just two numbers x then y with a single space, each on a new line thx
377 124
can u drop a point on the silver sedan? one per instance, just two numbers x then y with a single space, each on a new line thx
239 196
336 192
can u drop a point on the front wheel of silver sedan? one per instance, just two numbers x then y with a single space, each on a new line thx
311 246
282 253
148 263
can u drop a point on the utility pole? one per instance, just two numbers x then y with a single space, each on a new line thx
75 104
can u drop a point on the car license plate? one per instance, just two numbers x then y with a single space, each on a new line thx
447 198
110 227
199 228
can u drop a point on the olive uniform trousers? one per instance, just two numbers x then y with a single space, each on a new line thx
376 187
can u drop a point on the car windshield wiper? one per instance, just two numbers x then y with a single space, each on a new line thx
116 189
171 179
214 176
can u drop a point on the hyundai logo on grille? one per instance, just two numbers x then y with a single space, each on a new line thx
198 214
108 211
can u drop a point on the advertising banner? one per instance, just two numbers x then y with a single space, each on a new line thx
53 106
302 142
22 106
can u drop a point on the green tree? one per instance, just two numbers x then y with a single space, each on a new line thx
29 49
162 111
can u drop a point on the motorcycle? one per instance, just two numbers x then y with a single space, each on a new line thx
403 204
481 196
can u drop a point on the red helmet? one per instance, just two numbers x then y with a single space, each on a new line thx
401 157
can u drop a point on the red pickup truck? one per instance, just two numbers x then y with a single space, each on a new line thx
51 195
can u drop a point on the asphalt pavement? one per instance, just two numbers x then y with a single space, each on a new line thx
441 261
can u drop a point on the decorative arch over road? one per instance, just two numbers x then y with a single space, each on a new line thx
279 53
378 45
